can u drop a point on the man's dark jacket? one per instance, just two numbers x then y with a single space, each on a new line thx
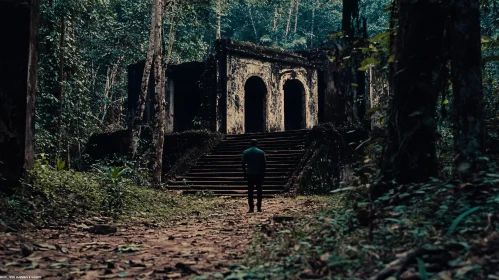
254 159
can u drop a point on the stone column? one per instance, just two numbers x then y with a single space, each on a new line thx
19 23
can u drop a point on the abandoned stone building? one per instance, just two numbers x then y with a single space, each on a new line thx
274 95
243 88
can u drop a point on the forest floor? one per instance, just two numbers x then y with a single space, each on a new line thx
177 249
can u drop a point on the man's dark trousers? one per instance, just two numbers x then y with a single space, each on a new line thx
255 180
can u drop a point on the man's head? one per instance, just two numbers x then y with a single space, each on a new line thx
253 142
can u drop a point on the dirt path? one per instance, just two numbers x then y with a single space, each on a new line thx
179 250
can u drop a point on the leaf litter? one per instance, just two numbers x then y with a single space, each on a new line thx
179 249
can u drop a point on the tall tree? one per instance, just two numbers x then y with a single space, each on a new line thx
139 115
410 152
466 68
19 21
348 91
158 101
290 13
219 19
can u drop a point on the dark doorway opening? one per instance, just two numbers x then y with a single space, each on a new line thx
255 93
186 94
294 105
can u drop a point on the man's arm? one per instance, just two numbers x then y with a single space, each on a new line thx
264 164
244 166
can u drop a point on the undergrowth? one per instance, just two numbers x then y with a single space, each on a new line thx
442 229
55 196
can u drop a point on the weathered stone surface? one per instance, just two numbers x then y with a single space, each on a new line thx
215 90
239 61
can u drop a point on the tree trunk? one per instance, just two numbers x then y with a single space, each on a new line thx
253 23
348 83
312 29
276 17
158 102
112 73
410 152
290 13
59 91
350 14
169 98
19 21
466 74
296 16
219 19
139 113
51 80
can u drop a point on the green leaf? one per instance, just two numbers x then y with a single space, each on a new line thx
60 164
380 37
423 275
394 220
33 265
456 221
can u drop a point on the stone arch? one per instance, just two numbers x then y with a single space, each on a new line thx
255 104
294 95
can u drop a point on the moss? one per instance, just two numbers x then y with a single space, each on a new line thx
182 150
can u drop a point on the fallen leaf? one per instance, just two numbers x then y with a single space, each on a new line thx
173 275
324 257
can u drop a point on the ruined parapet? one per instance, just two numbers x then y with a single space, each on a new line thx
263 53
184 94
329 160
239 63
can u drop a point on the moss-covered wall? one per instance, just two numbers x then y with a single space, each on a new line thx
237 62
330 159
181 150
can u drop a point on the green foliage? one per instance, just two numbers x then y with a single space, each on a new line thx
54 197
422 269
60 164
116 190
454 224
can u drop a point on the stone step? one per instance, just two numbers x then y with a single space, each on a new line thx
222 166
238 168
235 194
239 172
265 141
221 171
239 153
260 135
270 154
276 147
237 160
227 180
211 182
219 187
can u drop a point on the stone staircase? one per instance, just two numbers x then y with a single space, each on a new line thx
221 172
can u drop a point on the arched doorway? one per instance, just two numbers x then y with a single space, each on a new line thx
255 93
294 105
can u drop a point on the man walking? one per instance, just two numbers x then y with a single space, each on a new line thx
254 161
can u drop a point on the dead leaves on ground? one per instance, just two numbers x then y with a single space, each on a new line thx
96 249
